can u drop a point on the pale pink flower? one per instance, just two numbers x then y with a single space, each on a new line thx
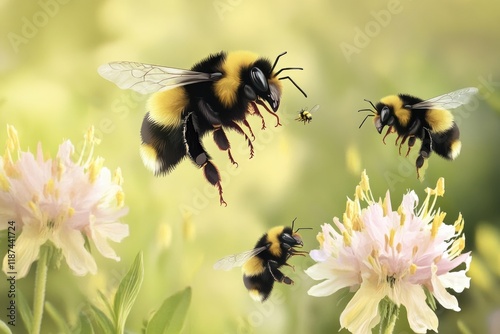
381 253
62 201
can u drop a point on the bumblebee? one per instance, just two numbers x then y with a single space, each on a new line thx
429 120
261 264
216 94
305 115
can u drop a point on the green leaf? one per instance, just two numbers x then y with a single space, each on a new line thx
127 292
4 329
101 320
84 325
24 311
170 317
57 317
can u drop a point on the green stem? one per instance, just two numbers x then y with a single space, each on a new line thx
389 315
39 297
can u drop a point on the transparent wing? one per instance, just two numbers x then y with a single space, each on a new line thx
447 101
237 260
315 108
147 78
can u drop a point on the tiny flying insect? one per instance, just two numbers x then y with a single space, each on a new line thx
216 94
306 115
261 264
428 120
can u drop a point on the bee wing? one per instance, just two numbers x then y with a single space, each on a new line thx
447 101
315 108
147 78
237 260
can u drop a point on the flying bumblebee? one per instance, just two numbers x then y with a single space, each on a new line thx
429 120
216 94
261 264
306 115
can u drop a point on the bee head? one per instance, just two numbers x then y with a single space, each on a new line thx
258 86
290 239
385 116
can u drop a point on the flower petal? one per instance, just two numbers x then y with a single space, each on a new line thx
72 244
27 249
361 313
420 315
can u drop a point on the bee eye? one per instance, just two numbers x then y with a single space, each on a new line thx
288 239
384 114
259 80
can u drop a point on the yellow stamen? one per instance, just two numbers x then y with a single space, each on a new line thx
13 140
4 183
457 247
95 169
415 250
48 188
120 198
347 238
365 181
321 239
459 224
440 187
399 247
436 223
117 177
402 218
413 269
391 237
71 212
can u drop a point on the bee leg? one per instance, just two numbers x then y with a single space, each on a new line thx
278 276
260 103
222 142
257 113
291 266
389 131
425 150
402 142
199 156
237 128
249 128
411 142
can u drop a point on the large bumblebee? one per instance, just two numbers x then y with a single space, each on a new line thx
429 120
216 94
261 264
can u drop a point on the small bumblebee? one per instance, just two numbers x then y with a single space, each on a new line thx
429 120
261 264
305 115
216 94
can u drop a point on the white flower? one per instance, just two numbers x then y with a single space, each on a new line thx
381 253
61 201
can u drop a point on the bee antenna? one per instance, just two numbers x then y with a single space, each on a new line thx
297 86
364 119
276 61
300 228
370 102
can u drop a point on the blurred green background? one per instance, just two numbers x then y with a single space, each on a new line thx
50 91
